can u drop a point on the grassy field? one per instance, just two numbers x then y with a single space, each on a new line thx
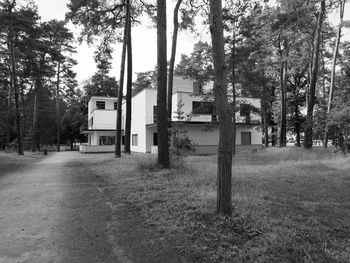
290 205
11 161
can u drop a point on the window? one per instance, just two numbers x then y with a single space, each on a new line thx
244 111
101 105
197 88
115 105
246 138
203 107
107 140
134 140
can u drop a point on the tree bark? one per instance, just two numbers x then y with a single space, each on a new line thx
172 60
313 81
58 126
35 113
233 79
224 159
117 151
162 127
129 81
334 63
15 89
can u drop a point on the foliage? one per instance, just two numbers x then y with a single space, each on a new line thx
181 144
199 65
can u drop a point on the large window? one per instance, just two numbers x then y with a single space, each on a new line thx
101 105
107 140
203 107
134 140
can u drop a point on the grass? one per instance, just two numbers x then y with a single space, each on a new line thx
290 205
11 161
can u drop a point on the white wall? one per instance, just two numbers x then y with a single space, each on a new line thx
188 98
102 119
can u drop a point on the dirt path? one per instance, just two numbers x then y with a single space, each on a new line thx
56 211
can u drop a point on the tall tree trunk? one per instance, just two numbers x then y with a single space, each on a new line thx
265 117
117 151
283 83
162 127
129 81
172 60
15 89
34 123
313 81
334 63
8 115
224 161
233 79
58 126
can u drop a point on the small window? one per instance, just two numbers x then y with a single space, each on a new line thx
115 105
244 110
134 141
101 105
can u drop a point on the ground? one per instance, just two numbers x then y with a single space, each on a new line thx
290 205
55 210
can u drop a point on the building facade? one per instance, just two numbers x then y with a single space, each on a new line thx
198 116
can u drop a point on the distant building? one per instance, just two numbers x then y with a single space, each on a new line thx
201 120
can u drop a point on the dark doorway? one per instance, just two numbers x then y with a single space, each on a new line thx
246 138
155 138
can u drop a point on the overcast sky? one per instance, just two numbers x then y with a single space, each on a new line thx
144 42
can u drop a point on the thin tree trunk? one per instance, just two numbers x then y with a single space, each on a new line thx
162 127
283 82
265 118
58 126
334 63
15 89
8 115
117 152
224 161
129 82
172 60
313 81
35 113
233 79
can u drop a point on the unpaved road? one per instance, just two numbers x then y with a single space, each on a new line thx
57 211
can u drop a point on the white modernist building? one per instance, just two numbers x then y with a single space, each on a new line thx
201 121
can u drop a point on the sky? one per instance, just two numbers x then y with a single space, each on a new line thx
144 41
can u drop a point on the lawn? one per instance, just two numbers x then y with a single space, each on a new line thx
290 205
11 161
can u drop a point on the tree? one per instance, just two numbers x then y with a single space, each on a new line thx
71 123
334 62
129 81
162 127
313 80
224 163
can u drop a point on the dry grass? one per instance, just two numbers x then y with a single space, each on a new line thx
290 205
